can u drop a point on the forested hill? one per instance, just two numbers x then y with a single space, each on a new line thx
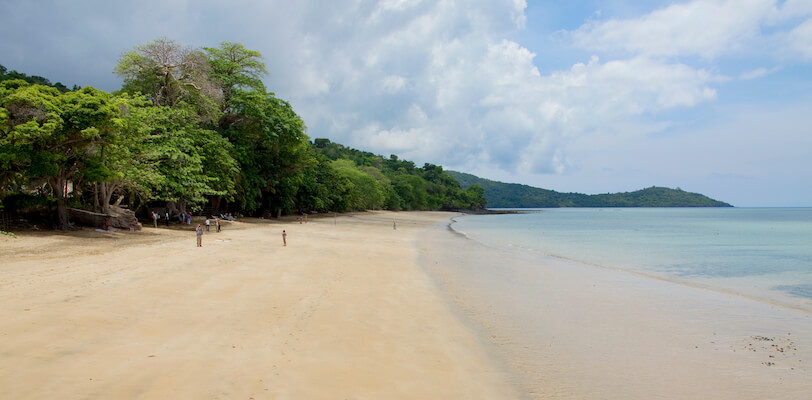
395 184
513 195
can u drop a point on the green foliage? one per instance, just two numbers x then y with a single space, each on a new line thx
511 195
234 67
322 188
365 192
168 74
402 185
411 192
271 147
180 150
54 139
192 126
6 75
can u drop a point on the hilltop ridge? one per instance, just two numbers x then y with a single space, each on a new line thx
514 195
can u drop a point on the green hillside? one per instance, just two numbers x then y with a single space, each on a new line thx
513 195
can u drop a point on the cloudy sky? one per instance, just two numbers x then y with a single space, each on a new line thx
711 96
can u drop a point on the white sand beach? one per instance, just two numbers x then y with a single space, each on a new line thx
342 312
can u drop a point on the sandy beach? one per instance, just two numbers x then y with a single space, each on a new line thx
353 308
342 312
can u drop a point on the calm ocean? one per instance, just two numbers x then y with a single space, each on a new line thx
762 253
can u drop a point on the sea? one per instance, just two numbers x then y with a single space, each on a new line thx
635 303
760 253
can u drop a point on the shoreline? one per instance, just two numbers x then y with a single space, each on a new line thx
370 305
343 311
574 330
798 304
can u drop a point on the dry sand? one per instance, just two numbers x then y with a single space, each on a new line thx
342 312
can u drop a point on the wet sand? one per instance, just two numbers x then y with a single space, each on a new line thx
344 311
568 330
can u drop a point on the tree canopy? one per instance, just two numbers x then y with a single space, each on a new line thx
192 128
402 185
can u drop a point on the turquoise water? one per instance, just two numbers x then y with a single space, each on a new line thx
764 253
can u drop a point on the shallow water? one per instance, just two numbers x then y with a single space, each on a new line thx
598 329
764 253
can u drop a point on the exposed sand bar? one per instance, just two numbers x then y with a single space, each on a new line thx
343 312
575 331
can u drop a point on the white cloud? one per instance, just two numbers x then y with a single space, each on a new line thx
393 83
706 28
453 82
634 86
789 10
481 93
800 40
758 73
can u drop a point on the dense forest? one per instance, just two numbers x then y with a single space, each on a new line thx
393 184
191 129
512 195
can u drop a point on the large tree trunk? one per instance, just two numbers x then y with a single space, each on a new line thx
96 197
63 218
59 185
215 204
172 207
121 218
106 194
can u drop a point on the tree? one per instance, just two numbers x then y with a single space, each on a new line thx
366 192
411 190
234 67
55 139
169 74
272 150
193 162
191 158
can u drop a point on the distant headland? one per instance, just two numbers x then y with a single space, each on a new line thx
514 195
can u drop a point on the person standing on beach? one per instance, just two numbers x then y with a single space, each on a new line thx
199 234
167 218
218 225
284 238
207 224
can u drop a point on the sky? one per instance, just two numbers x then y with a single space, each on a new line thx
709 96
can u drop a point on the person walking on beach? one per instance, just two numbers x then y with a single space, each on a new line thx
284 238
167 218
155 218
218 225
207 224
199 233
